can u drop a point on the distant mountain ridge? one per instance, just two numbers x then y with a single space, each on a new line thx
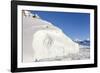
83 43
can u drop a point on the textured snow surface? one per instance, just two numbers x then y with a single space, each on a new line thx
49 43
83 54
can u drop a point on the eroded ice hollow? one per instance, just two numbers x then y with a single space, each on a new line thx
43 40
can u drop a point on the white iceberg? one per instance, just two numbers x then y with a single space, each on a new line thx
43 40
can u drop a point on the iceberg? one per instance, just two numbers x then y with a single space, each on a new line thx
43 40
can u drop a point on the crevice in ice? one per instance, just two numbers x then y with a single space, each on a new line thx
48 41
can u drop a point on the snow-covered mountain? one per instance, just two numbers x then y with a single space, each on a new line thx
83 43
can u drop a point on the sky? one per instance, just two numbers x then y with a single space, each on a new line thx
74 25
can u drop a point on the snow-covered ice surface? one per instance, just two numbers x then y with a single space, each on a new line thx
83 54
